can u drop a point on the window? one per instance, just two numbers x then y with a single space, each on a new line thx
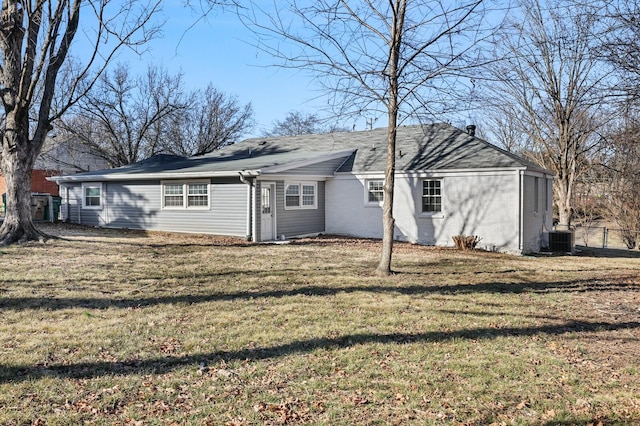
300 195
92 195
266 200
292 195
308 195
431 196
173 195
197 195
190 195
375 191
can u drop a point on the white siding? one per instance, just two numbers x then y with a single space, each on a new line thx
486 205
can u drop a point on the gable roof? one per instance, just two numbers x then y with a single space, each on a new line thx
67 154
418 148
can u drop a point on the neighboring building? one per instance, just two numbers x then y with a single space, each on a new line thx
39 182
448 183
59 156
67 155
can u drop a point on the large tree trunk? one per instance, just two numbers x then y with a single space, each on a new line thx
564 202
17 163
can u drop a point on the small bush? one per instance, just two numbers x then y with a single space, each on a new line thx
630 237
466 242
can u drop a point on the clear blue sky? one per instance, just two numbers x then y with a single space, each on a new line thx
219 50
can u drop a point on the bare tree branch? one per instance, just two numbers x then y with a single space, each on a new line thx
392 57
35 43
552 84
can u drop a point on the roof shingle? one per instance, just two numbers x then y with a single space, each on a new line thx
432 147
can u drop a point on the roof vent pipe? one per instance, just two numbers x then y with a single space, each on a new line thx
471 130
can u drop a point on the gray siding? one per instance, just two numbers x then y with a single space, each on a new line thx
138 206
79 215
299 221
133 206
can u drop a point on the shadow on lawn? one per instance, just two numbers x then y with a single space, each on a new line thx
575 286
168 364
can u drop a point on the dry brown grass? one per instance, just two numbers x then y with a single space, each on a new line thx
108 327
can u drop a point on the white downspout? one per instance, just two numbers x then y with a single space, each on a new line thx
67 213
254 226
250 234
520 211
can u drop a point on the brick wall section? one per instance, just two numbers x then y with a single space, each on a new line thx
39 183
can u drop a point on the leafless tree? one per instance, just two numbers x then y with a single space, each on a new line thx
548 80
622 169
35 41
398 58
211 121
299 123
589 198
123 117
504 128
621 44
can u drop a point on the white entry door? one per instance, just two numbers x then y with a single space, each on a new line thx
266 217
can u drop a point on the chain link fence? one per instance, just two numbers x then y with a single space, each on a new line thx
605 237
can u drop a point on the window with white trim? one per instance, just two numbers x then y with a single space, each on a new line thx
375 191
92 195
173 194
431 196
300 195
197 195
181 195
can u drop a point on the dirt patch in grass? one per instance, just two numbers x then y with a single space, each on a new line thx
126 327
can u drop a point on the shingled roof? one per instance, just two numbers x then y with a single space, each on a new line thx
432 147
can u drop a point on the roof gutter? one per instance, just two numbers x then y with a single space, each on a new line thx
147 176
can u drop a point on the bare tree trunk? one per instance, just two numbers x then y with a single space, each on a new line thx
35 37
388 222
17 162
563 197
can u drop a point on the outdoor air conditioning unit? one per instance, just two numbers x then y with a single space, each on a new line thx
561 241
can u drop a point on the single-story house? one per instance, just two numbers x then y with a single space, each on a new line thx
448 182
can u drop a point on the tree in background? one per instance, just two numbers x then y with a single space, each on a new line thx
621 46
298 123
622 164
35 41
395 58
549 82
122 117
212 120
622 170
125 119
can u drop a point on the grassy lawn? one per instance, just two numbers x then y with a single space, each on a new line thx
113 327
